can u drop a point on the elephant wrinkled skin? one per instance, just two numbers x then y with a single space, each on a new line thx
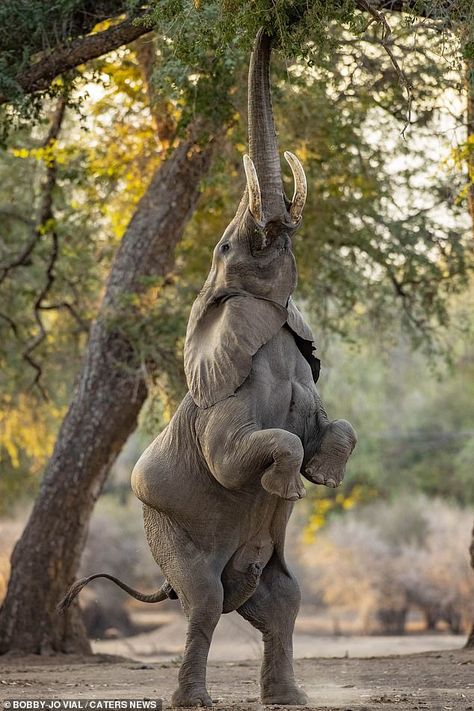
218 484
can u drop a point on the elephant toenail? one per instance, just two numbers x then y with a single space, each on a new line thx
331 483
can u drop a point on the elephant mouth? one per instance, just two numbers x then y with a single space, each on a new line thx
270 242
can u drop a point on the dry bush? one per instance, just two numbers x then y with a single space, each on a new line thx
116 545
382 560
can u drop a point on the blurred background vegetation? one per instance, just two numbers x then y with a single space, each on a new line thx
385 277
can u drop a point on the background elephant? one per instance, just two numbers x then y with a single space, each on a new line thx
218 483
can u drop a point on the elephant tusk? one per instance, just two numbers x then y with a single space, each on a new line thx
301 188
253 188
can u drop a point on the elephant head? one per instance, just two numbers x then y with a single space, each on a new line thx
246 297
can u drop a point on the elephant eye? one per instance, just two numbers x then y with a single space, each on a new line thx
225 247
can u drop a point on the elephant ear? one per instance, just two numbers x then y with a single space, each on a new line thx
221 339
304 337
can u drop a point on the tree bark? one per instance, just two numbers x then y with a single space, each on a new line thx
470 639
40 75
470 136
110 391
74 44
470 198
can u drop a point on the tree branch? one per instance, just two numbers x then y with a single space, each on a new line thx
83 326
39 76
45 219
429 9
10 322
160 108
386 42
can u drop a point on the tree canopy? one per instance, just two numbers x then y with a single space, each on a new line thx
386 235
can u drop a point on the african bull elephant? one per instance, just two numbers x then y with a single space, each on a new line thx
218 484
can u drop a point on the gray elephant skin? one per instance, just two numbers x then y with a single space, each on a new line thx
218 484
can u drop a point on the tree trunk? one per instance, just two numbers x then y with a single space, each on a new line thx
110 392
470 639
470 158
470 136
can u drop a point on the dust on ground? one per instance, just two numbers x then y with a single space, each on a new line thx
350 672
432 681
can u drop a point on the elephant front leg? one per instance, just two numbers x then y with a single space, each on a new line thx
237 453
282 478
276 453
336 440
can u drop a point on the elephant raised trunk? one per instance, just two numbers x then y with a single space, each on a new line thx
266 198
263 143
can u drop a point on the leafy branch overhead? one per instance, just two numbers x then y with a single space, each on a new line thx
64 36
377 243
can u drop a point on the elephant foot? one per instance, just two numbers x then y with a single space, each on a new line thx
288 695
328 465
194 696
283 484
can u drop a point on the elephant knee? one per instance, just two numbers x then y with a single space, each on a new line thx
288 447
204 601
293 594
287 595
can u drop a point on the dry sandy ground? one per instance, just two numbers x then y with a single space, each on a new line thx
431 681
346 672
234 640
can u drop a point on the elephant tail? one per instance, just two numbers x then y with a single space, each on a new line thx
166 591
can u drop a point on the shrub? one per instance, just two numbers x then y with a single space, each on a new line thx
381 560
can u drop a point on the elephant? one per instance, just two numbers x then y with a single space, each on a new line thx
219 483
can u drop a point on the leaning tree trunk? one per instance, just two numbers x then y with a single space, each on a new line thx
470 136
470 158
470 639
103 412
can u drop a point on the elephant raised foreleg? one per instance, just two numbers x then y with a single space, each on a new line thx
237 453
272 609
331 446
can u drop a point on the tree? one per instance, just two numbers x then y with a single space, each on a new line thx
103 412
111 385
110 391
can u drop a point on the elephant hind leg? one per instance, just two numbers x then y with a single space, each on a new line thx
272 609
194 577
202 600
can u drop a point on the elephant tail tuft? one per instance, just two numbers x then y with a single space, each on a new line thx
166 591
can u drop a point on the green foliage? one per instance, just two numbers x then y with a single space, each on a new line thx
385 236
391 557
384 245
414 421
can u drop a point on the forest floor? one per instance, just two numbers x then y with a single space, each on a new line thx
431 681
429 672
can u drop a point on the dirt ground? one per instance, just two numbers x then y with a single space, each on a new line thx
235 640
433 681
